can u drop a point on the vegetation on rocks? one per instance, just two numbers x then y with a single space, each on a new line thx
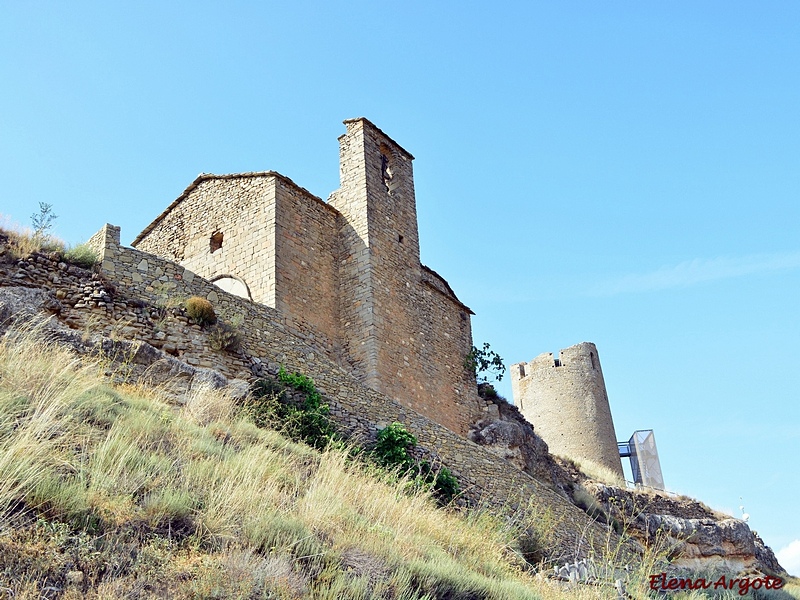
81 255
21 242
393 450
293 406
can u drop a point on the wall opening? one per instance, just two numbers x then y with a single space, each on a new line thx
400 238
521 370
215 243
233 285
594 361
387 168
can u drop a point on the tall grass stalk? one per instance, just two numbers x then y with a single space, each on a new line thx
39 383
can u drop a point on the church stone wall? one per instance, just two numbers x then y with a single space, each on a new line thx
305 268
204 231
347 272
443 344
566 401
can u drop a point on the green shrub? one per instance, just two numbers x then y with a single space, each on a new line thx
446 485
269 406
200 310
306 421
393 451
81 255
393 447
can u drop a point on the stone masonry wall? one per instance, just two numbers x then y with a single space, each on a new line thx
567 403
448 390
285 256
213 206
306 251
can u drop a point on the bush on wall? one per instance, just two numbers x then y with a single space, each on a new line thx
200 310
270 405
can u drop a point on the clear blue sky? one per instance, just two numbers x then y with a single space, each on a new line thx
625 173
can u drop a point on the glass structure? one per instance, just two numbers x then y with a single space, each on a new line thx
646 467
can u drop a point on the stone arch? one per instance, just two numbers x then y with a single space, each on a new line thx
233 285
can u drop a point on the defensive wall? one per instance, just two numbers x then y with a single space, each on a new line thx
345 274
566 400
125 299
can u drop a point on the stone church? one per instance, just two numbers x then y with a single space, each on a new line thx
345 272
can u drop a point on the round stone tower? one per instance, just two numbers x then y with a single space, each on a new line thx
565 400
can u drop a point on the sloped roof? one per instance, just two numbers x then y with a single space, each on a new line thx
210 176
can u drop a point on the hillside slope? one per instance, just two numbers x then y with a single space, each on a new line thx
112 492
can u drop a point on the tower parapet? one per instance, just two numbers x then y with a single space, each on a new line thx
565 399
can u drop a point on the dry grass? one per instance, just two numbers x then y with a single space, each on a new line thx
23 241
197 502
204 405
106 494
597 472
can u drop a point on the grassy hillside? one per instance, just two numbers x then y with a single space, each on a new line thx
113 493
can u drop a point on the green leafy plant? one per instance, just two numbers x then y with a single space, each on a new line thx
485 363
307 421
446 485
393 449
201 310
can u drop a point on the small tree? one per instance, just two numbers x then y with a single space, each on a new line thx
485 363
42 221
